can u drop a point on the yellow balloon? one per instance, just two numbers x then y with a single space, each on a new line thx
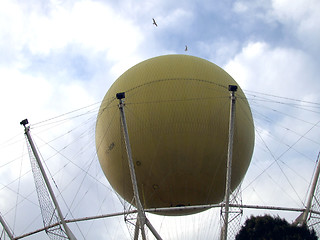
177 111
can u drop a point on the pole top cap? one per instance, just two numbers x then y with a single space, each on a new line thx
24 122
233 88
120 95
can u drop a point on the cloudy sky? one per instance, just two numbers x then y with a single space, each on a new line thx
58 59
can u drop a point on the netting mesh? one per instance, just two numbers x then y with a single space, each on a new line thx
131 220
235 215
48 212
314 218
3 235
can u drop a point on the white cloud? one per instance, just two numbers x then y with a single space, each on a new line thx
254 7
283 71
253 11
294 11
284 131
220 50
20 91
240 7
302 17
298 19
177 19
29 34
92 28
92 25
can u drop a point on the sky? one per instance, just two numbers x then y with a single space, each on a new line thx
59 58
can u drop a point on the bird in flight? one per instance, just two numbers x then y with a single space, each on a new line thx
154 22
186 49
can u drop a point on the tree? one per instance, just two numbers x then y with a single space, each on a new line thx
273 228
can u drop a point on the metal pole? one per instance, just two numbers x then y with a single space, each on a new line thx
6 228
141 214
152 229
44 175
232 89
157 210
311 194
136 231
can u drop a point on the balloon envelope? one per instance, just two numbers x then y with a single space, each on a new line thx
177 110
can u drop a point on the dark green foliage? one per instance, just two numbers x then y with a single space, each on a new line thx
273 228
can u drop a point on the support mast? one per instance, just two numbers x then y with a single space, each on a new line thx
142 220
45 178
6 228
232 89
311 194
